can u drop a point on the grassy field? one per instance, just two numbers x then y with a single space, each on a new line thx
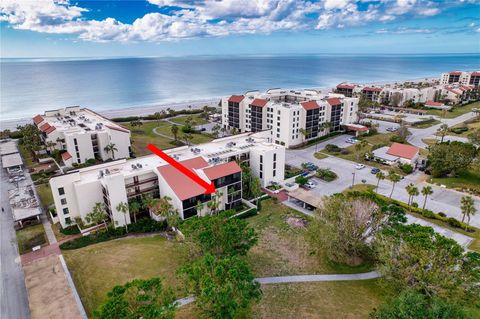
320 155
199 120
98 268
283 249
464 180
30 237
45 194
143 135
426 125
26 156
456 111
326 300
474 125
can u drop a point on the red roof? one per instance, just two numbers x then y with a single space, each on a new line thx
50 129
358 128
236 98
116 128
453 91
45 127
372 89
222 170
334 101
345 86
475 74
38 119
433 103
403 150
310 105
181 185
66 156
455 73
259 102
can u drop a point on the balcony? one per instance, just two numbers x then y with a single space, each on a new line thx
143 181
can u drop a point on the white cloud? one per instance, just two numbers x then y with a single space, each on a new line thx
207 17
403 31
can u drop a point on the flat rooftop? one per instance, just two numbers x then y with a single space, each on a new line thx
23 202
8 147
214 152
78 120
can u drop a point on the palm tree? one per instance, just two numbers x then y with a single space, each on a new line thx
214 203
149 202
394 178
134 209
443 130
427 190
380 176
325 125
122 207
199 206
111 148
304 132
215 129
413 192
158 117
174 130
187 137
468 209
360 146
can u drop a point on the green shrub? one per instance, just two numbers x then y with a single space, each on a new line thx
70 230
442 214
454 223
377 146
332 148
143 225
301 180
406 168
326 174
397 139
459 130
428 214
248 213
344 151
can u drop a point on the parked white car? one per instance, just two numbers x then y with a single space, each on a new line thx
359 166
351 140
310 184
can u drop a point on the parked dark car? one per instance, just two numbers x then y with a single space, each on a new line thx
375 170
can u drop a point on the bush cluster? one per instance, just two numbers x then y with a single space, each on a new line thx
332 148
326 174
406 168
143 225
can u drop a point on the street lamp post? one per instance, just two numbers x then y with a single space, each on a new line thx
353 179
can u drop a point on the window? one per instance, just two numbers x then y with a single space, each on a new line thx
261 175
63 201
261 158
65 211
61 191
68 220
274 165
274 173
274 156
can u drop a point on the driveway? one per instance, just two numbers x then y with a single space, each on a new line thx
13 294
443 199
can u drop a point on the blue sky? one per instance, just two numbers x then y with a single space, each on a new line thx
63 28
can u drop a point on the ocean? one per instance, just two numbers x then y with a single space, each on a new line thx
31 86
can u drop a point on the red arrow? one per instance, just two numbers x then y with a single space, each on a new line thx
209 188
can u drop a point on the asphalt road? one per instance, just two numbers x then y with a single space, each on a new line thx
443 199
13 294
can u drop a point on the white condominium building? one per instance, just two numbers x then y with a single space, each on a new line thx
465 78
82 134
123 181
292 117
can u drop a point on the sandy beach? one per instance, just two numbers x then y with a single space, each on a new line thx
194 104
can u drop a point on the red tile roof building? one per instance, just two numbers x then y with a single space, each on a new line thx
404 151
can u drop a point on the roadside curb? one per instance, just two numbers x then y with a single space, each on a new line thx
81 309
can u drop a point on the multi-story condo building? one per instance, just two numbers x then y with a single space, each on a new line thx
123 181
291 117
82 134
464 78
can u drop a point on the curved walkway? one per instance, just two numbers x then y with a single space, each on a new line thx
154 130
299 278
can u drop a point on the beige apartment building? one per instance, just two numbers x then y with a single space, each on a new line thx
123 181
82 134
291 116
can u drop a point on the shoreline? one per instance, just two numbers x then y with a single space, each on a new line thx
195 104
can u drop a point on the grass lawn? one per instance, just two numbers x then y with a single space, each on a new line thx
348 300
196 117
474 125
456 111
45 194
283 249
98 268
464 180
426 125
143 135
320 155
30 237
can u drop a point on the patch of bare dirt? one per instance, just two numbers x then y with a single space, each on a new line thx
296 222
49 295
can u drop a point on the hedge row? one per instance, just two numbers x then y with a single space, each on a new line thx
143 225
383 200
152 117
